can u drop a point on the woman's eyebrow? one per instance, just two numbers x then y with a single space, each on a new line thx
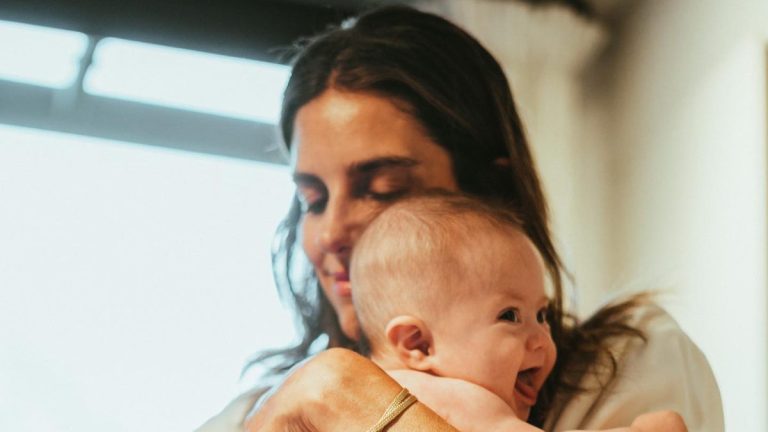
303 179
375 164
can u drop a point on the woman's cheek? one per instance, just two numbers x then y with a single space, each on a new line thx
348 320
307 234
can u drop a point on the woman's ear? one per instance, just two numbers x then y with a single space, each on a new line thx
411 341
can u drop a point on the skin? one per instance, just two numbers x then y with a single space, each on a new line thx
491 323
465 367
352 155
310 401
501 329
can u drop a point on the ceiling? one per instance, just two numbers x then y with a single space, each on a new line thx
258 29
247 28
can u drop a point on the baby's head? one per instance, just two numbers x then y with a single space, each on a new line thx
449 285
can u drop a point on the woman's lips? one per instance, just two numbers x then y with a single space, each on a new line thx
341 286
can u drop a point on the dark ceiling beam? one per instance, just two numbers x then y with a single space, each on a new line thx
256 29
114 119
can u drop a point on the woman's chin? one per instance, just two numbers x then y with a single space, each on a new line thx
349 325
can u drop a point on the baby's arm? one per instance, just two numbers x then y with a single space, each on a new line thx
469 407
466 406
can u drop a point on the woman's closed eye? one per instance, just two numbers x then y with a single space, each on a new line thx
385 184
386 196
311 201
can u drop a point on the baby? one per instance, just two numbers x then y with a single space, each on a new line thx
450 295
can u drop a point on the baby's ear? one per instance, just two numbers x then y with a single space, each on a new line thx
411 340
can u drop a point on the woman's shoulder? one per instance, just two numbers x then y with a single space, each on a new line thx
231 418
655 320
662 333
663 371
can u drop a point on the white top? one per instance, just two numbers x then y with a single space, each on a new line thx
668 372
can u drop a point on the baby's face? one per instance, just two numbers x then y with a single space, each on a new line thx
495 334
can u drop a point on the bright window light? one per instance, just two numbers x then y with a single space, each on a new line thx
135 281
40 55
192 80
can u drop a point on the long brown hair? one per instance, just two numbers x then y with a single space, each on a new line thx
459 93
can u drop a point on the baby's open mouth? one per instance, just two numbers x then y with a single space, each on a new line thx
525 386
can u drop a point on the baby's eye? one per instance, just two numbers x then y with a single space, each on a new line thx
541 315
511 314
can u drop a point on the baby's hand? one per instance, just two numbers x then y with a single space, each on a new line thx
467 407
659 421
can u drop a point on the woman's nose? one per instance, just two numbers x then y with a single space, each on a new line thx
334 238
337 232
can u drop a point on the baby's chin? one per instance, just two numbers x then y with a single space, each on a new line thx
522 411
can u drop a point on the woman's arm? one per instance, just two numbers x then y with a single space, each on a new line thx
338 390
230 419
341 390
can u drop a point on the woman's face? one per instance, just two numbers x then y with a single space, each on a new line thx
353 154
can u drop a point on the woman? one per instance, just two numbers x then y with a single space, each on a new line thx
398 102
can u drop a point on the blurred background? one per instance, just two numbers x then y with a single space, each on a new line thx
141 179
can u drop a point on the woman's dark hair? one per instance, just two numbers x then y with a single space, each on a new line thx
459 93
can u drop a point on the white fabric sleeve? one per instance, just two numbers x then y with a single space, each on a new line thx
232 417
668 372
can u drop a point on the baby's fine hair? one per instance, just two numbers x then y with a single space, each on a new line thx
404 259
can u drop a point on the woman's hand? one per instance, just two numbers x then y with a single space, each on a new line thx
337 390
668 421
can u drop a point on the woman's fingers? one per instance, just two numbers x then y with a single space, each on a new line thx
659 421
335 390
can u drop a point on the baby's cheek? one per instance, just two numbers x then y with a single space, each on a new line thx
552 354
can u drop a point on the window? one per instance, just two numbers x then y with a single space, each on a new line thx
217 84
39 55
134 281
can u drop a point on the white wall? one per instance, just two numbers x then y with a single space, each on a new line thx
684 104
654 162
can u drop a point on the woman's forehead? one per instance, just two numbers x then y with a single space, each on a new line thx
345 111
342 129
